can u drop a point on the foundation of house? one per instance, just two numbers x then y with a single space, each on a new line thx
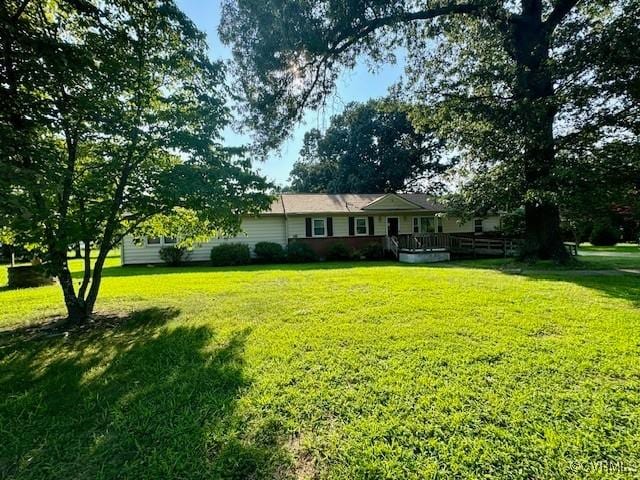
424 257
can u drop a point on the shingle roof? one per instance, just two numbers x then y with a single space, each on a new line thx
297 203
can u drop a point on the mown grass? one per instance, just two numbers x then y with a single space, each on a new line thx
353 370
623 256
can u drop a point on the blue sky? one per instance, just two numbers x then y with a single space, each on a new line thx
355 85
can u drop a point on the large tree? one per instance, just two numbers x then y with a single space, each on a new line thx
111 114
370 147
515 85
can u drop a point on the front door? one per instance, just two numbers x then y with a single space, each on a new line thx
392 226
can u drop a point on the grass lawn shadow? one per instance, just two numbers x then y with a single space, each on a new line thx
131 399
614 282
134 270
625 286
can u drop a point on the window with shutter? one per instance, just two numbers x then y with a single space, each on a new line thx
319 227
361 226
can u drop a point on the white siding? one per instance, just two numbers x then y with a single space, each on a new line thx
491 224
261 229
341 223
451 225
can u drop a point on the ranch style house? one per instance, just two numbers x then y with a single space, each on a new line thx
398 221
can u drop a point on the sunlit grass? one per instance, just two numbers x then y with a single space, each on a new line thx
352 370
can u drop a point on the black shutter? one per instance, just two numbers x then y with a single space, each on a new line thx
352 226
329 226
371 229
307 224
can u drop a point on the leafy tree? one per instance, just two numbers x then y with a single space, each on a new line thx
371 147
111 113
514 86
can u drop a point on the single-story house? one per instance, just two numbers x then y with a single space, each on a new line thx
323 219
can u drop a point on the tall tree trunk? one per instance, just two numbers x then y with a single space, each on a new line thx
535 94
543 238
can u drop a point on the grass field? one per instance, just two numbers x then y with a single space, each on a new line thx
335 370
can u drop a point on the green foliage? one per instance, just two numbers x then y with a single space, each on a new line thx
370 147
339 251
296 370
515 89
269 252
372 251
513 223
230 254
300 252
112 117
173 255
604 234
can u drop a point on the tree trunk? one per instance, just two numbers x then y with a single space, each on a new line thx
535 94
77 250
96 278
77 311
543 239
76 307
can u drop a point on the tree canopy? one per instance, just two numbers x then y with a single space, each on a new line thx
370 147
520 89
111 115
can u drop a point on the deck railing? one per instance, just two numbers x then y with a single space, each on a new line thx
428 242
391 245
507 247
425 242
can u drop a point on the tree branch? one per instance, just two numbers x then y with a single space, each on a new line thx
358 33
561 10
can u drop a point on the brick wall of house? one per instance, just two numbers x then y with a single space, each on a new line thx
321 245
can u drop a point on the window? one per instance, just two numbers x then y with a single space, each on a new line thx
361 226
477 225
423 225
161 240
319 227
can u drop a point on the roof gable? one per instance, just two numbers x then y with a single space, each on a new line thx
392 201
346 203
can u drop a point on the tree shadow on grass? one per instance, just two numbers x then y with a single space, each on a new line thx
615 284
134 270
135 400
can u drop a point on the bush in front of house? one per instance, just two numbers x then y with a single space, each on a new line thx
173 255
339 251
298 252
604 235
230 254
372 251
269 252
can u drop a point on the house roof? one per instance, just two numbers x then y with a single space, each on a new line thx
301 203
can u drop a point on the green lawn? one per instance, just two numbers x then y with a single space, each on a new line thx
341 371
622 256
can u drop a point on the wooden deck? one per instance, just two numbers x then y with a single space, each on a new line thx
444 242
457 244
